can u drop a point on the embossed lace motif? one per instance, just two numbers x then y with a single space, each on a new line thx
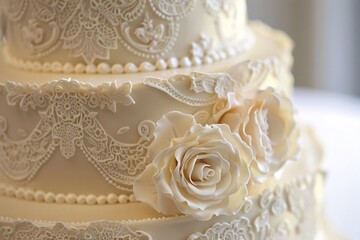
214 87
286 213
91 28
67 122
98 230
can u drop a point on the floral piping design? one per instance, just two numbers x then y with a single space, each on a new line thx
67 122
242 78
209 89
97 230
237 230
274 216
215 86
260 218
90 29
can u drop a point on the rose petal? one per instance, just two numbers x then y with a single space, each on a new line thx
146 191
172 125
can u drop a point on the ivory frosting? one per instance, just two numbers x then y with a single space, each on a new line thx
92 37
203 95
195 144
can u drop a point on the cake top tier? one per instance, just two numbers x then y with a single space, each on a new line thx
123 36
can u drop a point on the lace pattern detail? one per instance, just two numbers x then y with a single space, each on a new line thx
236 230
67 122
152 40
242 78
224 12
90 29
18 230
169 9
286 213
214 87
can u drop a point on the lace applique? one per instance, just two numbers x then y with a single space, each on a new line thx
272 216
90 28
202 49
169 8
35 43
18 230
250 75
38 96
67 122
91 33
210 88
152 39
215 87
225 13
236 230
219 84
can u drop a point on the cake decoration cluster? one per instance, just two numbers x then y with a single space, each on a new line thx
204 169
241 115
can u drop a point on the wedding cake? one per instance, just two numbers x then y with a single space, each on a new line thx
151 120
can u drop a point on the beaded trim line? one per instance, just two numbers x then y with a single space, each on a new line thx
50 197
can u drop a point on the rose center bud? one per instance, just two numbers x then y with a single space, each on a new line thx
202 172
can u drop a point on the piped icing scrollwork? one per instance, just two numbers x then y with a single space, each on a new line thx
93 30
289 212
216 86
62 231
69 119
67 122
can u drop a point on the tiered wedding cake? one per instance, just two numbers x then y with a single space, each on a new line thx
150 119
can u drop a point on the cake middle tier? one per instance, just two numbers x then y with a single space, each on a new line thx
84 138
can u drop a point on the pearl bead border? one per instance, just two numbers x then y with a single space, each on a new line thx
146 66
60 198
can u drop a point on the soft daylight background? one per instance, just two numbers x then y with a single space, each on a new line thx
327 76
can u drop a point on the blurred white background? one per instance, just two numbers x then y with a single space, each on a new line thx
326 34
327 75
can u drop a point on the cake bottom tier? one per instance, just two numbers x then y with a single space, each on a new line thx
291 210
286 207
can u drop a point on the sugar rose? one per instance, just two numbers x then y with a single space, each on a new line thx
267 124
196 170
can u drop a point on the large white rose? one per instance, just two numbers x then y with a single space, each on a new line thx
196 170
267 124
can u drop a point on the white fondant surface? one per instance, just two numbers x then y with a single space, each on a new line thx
128 33
270 44
289 205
